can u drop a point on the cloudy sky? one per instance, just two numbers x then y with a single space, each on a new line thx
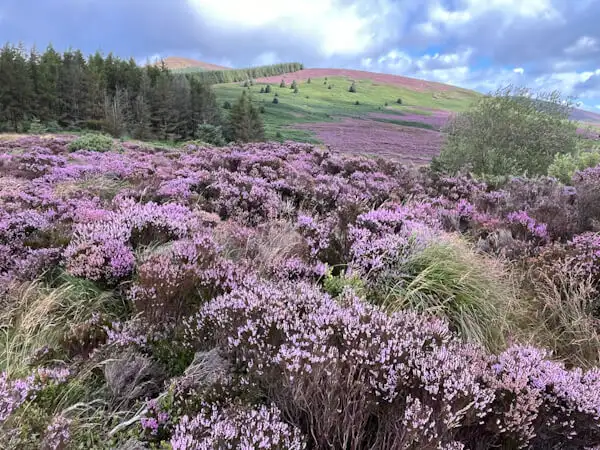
479 44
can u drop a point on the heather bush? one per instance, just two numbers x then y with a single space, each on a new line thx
92 142
510 132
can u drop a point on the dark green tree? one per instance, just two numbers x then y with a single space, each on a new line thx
245 122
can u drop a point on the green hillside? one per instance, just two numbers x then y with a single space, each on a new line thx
316 102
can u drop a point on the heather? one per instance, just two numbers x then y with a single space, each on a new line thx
286 296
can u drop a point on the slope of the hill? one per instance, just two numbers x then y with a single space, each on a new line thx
390 115
178 63
585 116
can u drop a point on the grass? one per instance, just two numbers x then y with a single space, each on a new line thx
450 280
39 315
316 103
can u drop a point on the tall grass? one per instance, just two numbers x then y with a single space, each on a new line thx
449 279
561 313
37 315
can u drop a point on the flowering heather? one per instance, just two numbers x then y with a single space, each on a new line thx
236 428
229 252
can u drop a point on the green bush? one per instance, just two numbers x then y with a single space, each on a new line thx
226 105
335 285
37 127
512 132
282 84
275 100
399 101
268 89
352 87
565 165
210 134
295 90
294 85
357 103
93 142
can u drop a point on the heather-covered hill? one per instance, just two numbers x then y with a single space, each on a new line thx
288 296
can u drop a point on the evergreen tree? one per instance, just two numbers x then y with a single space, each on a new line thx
352 87
268 89
294 85
245 122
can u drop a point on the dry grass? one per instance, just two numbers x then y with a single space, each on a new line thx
35 315
560 314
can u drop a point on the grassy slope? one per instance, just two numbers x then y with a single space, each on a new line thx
316 103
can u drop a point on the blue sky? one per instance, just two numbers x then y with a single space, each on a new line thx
478 44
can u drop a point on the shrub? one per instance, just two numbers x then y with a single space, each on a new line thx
210 134
329 87
352 87
262 90
36 127
399 101
357 103
509 133
92 142
295 90
282 84
385 104
268 89
294 85
275 100
565 165
261 109
308 81
226 105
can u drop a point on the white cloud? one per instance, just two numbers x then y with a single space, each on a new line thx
583 45
265 59
519 70
335 29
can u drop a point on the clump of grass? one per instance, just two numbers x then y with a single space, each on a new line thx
449 279
37 315
560 313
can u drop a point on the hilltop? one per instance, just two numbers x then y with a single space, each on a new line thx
179 63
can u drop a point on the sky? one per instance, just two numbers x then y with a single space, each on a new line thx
477 44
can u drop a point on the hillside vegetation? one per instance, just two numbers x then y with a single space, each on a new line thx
214 291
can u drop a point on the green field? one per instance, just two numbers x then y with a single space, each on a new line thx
315 102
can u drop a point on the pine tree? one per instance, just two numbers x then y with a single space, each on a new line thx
268 89
245 122
294 85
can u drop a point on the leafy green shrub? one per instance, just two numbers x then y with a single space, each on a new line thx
329 87
294 85
295 90
268 89
308 81
335 285
275 100
93 142
210 134
399 101
282 84
226 105
385 104
262 90
357 103
261 110
565 165
352 87
511 132
449 279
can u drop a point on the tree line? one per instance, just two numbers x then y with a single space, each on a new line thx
55 91
237 75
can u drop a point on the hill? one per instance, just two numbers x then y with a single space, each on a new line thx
179 63
390 115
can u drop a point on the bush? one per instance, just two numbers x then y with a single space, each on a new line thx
282 84
36 127
565 165
329 87
226 105
385 104
268 89
308 81
511 132
399 101
261 110
275 100
357 103
210 134
352 87
92 142
262 90
294 85
295 90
